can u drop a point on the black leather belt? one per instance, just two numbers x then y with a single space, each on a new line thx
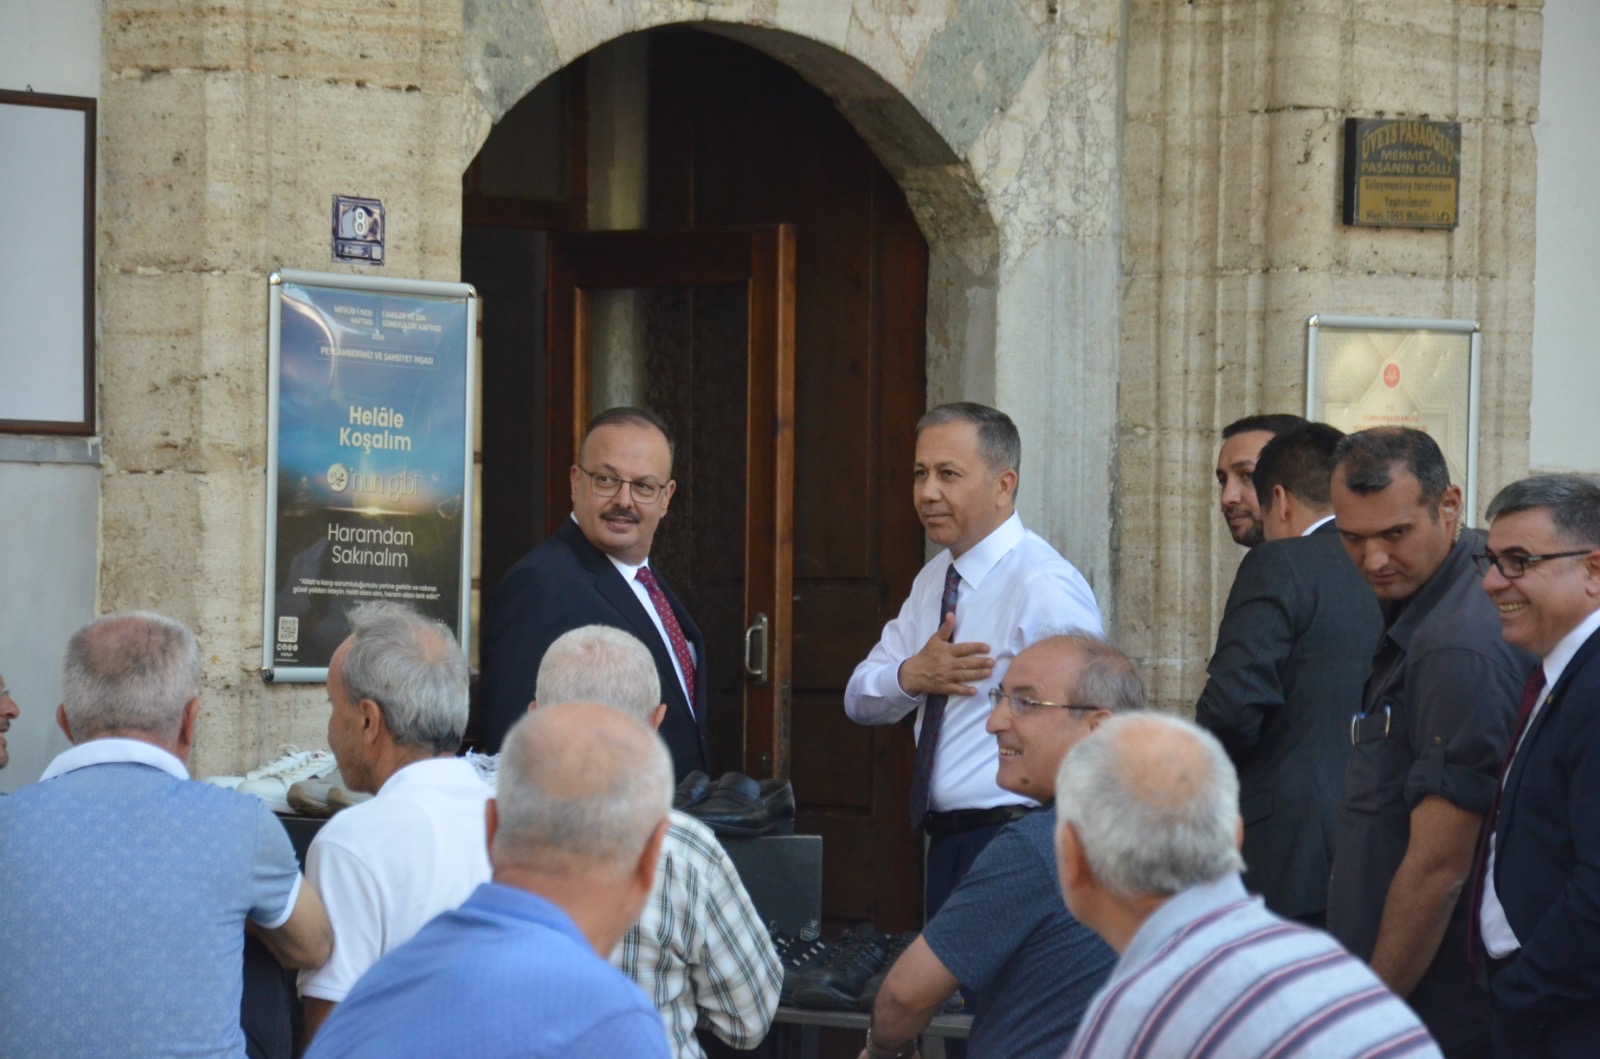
957 821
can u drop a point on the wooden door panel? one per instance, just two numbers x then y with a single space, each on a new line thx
714 313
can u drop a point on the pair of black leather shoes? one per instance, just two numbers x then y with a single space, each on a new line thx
736 805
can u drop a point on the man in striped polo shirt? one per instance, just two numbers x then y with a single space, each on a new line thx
1147 842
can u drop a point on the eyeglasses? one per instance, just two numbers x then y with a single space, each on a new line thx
611 485
1513 565
1022 706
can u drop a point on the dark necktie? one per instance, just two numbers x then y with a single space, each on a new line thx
669 621
1530 697
932 718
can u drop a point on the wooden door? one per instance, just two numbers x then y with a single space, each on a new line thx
738 138
707 319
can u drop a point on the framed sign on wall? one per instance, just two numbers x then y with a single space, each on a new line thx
369 459
47 263
1369 371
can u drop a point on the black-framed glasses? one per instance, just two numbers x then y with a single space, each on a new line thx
1022 706
1513 565
610 485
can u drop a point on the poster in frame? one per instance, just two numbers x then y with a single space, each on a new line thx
1369 371
369 458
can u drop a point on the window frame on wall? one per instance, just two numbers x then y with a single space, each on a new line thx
84 285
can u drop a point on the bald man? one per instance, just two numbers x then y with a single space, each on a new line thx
575 829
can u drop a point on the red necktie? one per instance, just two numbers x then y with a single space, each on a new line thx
669 621
1530 697
932 718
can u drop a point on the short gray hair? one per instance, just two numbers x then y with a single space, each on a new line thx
1155 804
134 671
413 669
579 785
597 663
1107 678
1573 503
999 444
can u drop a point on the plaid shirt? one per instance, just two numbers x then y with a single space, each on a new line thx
699 949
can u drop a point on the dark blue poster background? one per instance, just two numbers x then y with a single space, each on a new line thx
372 436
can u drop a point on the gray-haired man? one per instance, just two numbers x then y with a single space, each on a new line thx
398 692
699 948
1147 845
576 823
128 887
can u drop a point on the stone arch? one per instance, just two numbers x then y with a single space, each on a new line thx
512 48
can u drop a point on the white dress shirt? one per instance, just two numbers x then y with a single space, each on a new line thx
630 574
1498 937
1014 588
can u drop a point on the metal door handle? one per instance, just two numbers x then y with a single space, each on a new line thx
755 661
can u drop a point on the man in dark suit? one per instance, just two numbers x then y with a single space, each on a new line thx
1292 655
1537 892
595 570
1242 441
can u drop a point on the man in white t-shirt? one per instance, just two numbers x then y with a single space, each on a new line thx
398 692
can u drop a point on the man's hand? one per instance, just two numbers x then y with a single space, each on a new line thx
944 668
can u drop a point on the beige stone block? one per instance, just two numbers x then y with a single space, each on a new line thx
1303 197
826 21
1404 60
1144 145
1309 56
1140 363
1245 198
578 28
182 371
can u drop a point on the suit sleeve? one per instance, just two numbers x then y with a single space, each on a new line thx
1558 968
1254 641
520 626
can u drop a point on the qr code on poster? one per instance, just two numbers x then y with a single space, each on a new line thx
288 630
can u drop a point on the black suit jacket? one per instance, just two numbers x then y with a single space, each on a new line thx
1292 655
564 584
1547 869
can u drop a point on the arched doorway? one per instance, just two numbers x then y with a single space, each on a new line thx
677 130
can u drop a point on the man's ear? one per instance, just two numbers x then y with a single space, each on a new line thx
644 872
1238 833
1008 484
491 820
63 724
657 715
1072 865
372 723
191 715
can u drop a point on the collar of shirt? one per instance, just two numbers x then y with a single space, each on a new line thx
1168 923
1457 564
113 751
509 902
1555 663
976 562
629 573
431 772
1321 522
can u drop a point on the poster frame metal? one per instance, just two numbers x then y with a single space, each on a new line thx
464 292
1470 330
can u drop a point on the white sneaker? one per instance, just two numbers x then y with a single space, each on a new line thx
271 781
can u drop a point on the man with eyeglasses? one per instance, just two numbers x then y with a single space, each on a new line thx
1535 888
596 570
1436 716
1004 933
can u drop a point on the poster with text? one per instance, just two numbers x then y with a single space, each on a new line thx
370 456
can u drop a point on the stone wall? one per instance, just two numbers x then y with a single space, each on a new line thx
1231 168
225 133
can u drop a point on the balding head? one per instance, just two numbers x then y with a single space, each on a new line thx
581 789
129 673
597 663
1154 802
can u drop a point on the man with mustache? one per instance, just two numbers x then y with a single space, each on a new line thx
596 571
